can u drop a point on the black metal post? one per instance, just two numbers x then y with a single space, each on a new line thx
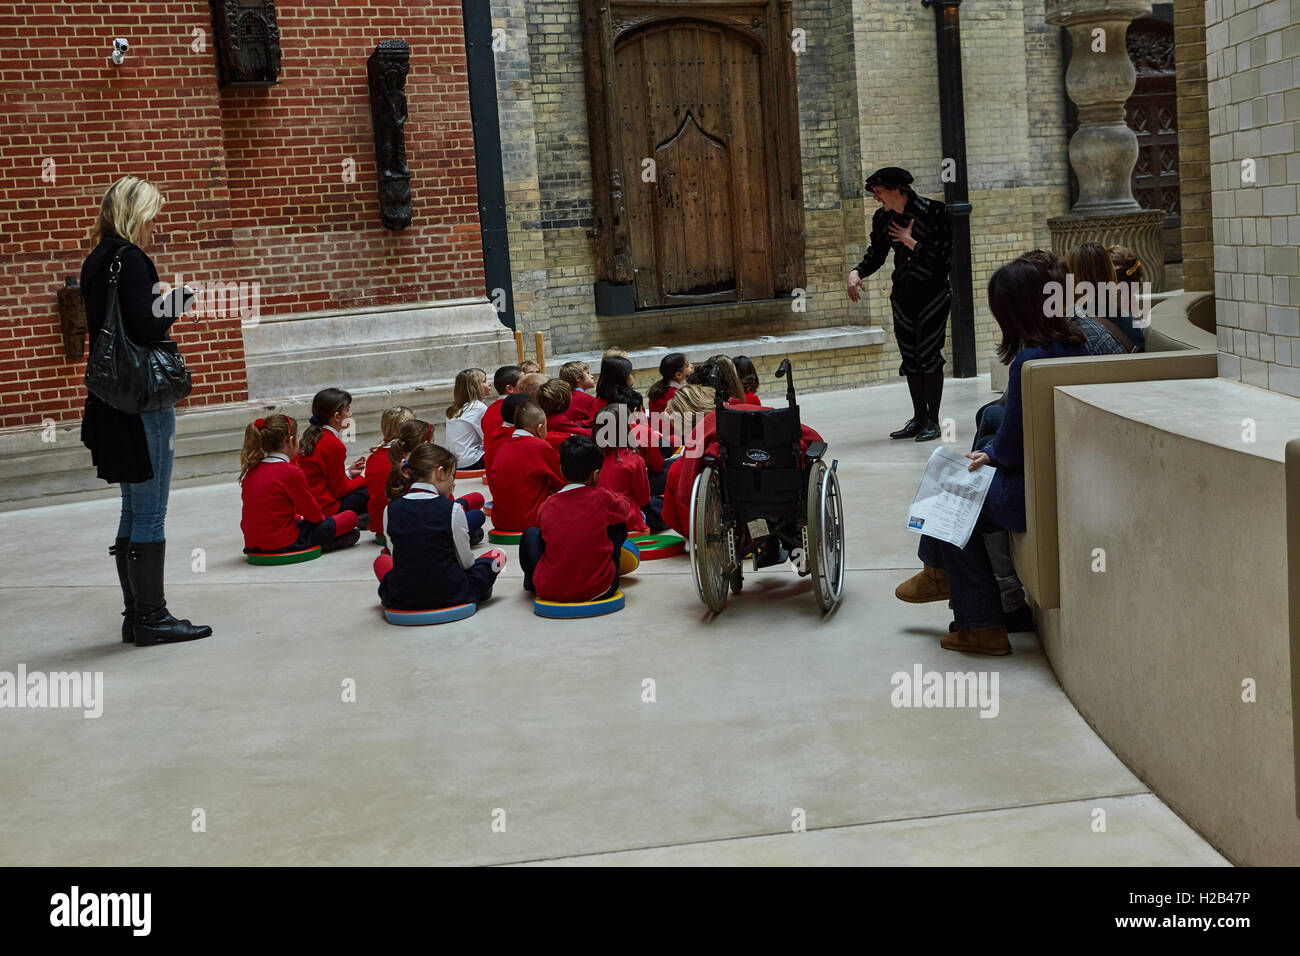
952 120
487 157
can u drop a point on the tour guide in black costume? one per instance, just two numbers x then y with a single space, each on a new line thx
920 233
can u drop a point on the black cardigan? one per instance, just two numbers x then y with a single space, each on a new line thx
923 269
116 439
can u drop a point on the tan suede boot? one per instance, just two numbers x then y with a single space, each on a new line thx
981 640
928 584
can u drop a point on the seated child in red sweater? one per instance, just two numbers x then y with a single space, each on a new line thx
322 456
525 470
505 381
673 369
582 400
567 556
622 470
748 378
280 513
554 397
504 428
377 464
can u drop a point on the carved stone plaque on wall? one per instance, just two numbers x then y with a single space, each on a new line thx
247 42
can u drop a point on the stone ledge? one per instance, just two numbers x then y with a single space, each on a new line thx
36 472
430 341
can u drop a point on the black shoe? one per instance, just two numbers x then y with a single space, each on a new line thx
342 541
929 432
771 553
120 552
363 521
909 430
153 623
476 537
1021 619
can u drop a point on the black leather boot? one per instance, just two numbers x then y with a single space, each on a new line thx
910 430
153 624
119 553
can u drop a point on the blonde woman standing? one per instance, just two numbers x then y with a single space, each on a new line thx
134 450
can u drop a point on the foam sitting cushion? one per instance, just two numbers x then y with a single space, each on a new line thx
283 557
629 559
471 473
439 615
558 609
504 537
655 546
381 541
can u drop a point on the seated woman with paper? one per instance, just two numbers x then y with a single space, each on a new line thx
965 576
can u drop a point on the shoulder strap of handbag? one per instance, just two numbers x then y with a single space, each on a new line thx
1116 333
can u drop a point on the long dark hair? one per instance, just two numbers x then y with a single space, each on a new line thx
669 365
323 406
748 374
614 372
412 433
1018 299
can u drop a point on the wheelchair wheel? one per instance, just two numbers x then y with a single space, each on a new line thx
712 562
825 535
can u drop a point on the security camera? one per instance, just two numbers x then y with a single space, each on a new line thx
120 46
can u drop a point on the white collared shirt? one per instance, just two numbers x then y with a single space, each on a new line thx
277 457
570 486
522 433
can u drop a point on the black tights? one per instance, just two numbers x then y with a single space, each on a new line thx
927 392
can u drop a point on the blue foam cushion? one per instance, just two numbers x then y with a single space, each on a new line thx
581 609
440 615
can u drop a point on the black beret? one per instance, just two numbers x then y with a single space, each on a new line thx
892 177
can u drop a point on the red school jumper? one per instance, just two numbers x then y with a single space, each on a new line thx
524 472
559 427
582 408
577 564
327 472
275 493
660 404
376 475
623 472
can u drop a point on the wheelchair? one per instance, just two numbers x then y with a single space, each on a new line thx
760 495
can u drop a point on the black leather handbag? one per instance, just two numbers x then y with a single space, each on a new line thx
133 378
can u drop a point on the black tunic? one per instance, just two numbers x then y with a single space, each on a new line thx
115 438
921 295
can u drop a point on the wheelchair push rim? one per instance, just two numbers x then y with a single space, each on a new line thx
825 535
711 552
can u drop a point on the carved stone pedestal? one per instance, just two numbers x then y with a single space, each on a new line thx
1141 231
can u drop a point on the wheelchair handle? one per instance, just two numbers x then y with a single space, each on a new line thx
784 371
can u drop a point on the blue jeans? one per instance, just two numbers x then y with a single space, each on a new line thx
144 503
976 596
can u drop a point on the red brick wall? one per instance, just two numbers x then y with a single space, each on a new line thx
253 178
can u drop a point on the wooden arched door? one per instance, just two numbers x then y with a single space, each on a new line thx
695 160
695 163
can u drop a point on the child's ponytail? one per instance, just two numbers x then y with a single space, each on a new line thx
266 436
418 464
323 406
669 366
410 434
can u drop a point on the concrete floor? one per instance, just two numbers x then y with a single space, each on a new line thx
767 709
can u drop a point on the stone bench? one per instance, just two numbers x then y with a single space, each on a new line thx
1184 653
1035 552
